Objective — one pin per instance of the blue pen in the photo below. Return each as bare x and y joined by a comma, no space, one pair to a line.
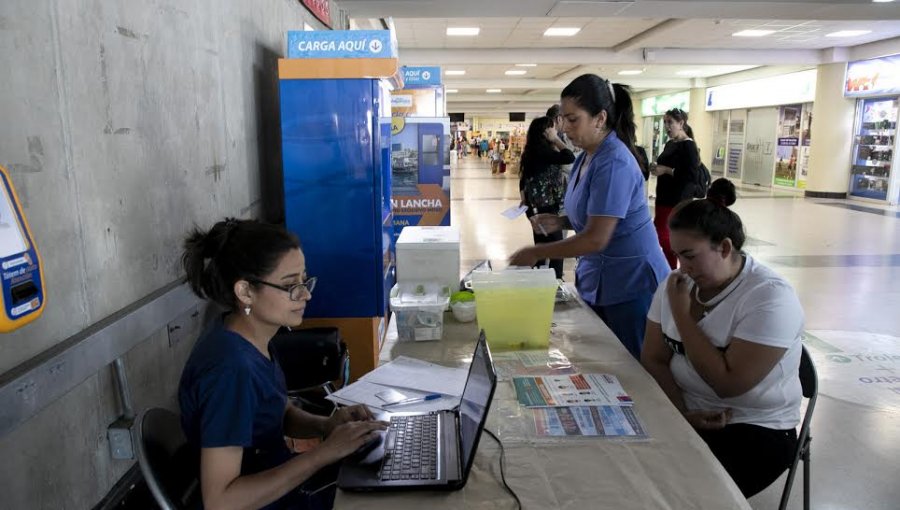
426,398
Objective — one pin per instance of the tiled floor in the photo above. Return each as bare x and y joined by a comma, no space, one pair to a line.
843,258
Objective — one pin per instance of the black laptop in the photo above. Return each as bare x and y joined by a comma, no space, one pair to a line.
428,451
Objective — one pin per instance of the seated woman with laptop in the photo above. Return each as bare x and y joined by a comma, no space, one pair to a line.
723,342
233,397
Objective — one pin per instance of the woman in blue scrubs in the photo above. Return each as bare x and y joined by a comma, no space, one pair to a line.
620,262
233,397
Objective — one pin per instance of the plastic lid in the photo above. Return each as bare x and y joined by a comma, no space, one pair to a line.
514,278
428,235
426,293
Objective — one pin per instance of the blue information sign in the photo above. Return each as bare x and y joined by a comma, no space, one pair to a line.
341,44
421,76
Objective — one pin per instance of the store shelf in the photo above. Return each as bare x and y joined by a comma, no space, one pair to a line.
883,164
878,177
876,146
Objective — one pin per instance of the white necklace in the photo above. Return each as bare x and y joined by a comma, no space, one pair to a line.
718,298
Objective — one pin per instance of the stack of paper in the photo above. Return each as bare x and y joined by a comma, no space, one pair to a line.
608,421
403,379
579,405
571,390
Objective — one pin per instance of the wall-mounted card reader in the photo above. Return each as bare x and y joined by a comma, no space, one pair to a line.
21,275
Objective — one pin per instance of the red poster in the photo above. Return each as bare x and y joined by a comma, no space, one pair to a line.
320,8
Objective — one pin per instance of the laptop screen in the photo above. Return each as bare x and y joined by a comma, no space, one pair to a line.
475,400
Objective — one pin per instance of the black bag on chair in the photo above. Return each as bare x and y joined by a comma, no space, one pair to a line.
312,359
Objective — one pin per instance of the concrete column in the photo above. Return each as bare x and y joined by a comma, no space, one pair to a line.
701,122
832,135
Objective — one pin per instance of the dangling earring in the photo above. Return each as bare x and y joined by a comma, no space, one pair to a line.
247,310
289,328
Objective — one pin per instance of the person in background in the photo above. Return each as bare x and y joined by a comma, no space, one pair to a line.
541,181
555,117
723,342
233,398
620,263
484,148
677,169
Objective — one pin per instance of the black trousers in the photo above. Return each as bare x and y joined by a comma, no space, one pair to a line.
555,264
754,456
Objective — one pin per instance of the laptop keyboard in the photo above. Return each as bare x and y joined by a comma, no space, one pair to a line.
414,452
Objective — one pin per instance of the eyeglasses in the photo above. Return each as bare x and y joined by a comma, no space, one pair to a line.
294,291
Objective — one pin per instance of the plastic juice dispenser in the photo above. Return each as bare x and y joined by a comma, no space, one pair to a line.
515,307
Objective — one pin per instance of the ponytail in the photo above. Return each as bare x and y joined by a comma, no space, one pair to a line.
624,125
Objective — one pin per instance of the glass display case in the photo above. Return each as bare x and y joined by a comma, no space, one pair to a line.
873,151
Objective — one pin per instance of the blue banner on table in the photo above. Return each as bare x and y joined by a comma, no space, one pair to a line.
421,76
420,172
341,44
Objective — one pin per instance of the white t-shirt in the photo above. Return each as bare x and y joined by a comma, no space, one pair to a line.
758,306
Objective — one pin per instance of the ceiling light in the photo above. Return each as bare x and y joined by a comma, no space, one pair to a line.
526,65
882,1
463,30
493,91
561,31
631,72
752,33
451,91
515,72
689,72
848,33
451,72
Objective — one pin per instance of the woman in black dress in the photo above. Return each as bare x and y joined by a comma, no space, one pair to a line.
677,172
541,180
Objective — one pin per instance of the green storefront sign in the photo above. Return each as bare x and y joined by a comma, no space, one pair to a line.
658,105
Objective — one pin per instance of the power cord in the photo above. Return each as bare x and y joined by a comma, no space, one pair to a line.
502,474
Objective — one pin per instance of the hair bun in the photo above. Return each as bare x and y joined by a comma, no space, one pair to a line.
218,235
722,192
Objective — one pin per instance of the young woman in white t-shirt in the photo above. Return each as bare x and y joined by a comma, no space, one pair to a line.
723,342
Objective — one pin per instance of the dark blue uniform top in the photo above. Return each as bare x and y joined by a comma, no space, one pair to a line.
232,395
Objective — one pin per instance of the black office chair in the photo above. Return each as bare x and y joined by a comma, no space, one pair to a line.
809,381
312,360
171,471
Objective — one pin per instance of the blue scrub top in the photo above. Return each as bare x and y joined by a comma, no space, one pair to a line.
632,265
232,395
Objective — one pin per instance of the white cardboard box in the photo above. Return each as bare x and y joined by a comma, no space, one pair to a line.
428,254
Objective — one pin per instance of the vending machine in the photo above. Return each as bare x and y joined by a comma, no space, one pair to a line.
336,143
874,143
875,83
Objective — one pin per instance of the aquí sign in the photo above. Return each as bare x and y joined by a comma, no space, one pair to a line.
341,44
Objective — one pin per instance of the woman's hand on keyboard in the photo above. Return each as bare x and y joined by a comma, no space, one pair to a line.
346,415
349,437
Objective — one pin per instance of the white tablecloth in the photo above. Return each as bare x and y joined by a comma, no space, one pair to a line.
672,470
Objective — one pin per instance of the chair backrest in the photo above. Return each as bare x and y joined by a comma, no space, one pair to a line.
169,466
809,379
310,357
809,382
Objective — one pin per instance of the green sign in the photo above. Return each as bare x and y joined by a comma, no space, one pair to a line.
658,105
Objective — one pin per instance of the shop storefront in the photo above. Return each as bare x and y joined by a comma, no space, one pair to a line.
876,83
762,129
652,111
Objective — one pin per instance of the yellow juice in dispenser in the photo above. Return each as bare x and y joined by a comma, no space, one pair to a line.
515,307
